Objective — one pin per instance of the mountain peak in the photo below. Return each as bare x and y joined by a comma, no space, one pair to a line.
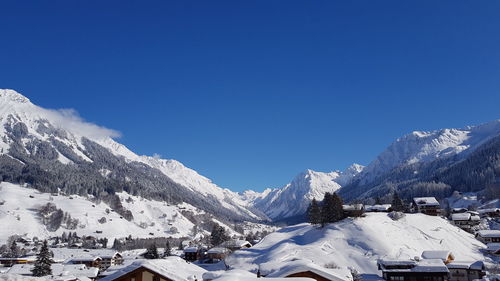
13,96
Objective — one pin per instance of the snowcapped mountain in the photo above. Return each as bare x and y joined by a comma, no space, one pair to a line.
422,146
294,198
433,164
56,150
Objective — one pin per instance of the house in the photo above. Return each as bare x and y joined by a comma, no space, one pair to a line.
243,275
191,253
353,210
493,248
488,236
426,205
378,208
445,256
168,269
466,271
492,212
88,261
12,261
465,220
78,271
459,210
301,268
217,253
110,260
235,244
409,270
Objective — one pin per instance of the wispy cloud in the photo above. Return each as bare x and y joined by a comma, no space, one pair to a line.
70,120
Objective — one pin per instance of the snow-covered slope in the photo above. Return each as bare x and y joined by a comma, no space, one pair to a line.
294,198
422,146
19,205
29,127
360,242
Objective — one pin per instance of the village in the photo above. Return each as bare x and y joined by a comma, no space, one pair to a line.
89,258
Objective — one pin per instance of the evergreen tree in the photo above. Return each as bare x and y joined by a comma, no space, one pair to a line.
43,262
338,209
152,252
397,203
327,209
168,250
218,235
314,212
14,250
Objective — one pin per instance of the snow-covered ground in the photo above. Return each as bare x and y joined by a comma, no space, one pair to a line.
359,242
151,218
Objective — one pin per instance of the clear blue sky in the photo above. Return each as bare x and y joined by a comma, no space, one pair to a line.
249,93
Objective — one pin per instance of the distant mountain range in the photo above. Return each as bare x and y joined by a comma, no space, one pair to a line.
54,151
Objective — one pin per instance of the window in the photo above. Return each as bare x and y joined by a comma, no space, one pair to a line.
397,278
437,278
156,278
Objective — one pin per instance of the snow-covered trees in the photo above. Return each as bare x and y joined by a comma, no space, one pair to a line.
43,261
331,210
397,203
314,212
218,235
168,250
152,252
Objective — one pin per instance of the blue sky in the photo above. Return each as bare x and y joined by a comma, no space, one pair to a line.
249,93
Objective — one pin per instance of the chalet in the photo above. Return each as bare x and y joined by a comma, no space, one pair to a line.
306,269
465,220
459,210
409,270
217,253
445,256
239,274
60,271
353,210
191,253
492,212
110,260
493,248
12,261
466,271
88,261
235,244
488,236
169,269
426,205
378,208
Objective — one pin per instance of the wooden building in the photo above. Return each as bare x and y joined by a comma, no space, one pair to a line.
426,205
110,260
488,236
191,253
445,256
217,253
306,269
409,270
465,221
88,261
466,271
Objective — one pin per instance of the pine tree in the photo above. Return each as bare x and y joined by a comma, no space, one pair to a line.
14,250
397,203
218,235
168,250
338,209
152,252
327,209
314,212
43,262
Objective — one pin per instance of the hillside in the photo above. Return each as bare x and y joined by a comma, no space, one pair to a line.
19,210
360,242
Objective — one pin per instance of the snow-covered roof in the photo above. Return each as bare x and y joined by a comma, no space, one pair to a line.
353,207
426,201
235,243
430,265
488,233
59,270
191,250
493,247
217,250
475,265
442,255
378,207
303,266
173,268
242,275
490,210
